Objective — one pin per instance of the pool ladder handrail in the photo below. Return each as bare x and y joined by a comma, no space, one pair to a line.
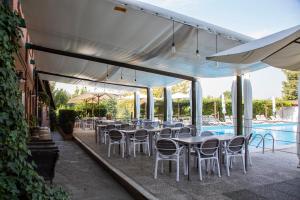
262,140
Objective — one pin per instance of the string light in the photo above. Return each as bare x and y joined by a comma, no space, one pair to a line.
173,40
134,75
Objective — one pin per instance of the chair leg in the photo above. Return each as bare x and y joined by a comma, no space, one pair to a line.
244,166
200,169
148,148
109,145
177,169
123,150
155,168
134,149
218,166
227,165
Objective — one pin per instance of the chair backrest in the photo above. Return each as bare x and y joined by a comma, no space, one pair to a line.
165,133
236,144
248,138
147,124
193,129
110,126
184,132
166,147
179,125
141,134
209,147
115,135
206,133
124,126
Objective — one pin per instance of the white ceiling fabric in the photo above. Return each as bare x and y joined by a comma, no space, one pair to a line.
138,37
280,50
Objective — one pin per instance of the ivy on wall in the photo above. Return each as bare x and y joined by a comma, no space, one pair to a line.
18,179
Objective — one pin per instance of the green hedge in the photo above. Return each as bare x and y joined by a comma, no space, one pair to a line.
67,120
260,107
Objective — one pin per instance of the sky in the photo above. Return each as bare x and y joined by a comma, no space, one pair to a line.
255,18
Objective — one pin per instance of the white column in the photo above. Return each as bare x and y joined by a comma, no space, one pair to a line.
151,105
169,104
198,105
137,104
233,105
298,126
248,111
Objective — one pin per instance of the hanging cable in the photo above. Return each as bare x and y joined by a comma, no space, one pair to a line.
173,40
121,73
134,75
197,50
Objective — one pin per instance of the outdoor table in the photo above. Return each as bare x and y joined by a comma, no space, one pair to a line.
189,141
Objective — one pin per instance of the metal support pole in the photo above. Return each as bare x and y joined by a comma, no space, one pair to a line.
148,103
239,105
134,109
165,105
193,87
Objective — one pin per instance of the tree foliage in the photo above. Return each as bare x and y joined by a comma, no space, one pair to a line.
18,179
289,87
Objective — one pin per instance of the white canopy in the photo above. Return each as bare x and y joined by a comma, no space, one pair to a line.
280,50
141,35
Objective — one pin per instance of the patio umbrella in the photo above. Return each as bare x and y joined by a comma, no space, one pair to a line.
247,106
278,50
151,105
298,126
273,106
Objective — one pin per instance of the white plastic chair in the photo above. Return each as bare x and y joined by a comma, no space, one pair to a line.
168,149
206,133
184,132
106,131
234,148
140,137
116,138
208,151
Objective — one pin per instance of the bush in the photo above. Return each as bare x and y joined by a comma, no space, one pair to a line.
67,120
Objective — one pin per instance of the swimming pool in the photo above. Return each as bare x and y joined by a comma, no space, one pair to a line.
283,133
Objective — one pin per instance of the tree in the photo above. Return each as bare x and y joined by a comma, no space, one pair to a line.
79,91
289,87
183,87
227,95
61,97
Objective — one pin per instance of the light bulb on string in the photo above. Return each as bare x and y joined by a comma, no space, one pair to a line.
135,76
107,72
121,73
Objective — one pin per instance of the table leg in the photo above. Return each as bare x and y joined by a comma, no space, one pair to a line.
220,157
170,166
246,155
150,143
127,136
96,134
188,160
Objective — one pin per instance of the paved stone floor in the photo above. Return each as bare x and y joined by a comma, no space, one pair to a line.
273,176
82,177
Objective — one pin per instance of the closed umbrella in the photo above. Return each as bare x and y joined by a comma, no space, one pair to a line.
233,105
247,106
273,106
223,104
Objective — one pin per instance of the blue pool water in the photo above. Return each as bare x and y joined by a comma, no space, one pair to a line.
283,133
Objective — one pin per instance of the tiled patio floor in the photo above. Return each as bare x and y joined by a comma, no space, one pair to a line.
82,177
273,176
